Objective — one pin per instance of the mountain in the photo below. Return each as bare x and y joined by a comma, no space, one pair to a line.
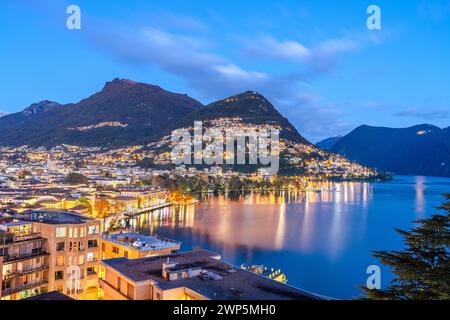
419,150
247,112
248,108
128,113
40,107
328,143
123,113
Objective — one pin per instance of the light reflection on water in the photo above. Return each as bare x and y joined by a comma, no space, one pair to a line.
321,240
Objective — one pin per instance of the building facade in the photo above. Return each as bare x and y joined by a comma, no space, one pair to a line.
134,246
25,261
73,247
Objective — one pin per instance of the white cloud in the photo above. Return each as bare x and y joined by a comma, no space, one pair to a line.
270,48
213,75
236,73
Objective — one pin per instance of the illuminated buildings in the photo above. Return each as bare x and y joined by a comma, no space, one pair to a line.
194,275
73,248
25,261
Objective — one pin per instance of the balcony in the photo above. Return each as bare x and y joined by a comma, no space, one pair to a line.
25,271
12,239
7,258
27,286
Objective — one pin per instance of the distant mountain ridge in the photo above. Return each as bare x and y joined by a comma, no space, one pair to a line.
327,144
126,113
123,113
250,107
419,150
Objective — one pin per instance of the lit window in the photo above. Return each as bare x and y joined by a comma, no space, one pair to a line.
91,257
60,260
92,229
60,232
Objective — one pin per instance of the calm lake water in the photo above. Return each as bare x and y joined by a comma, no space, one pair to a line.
321,240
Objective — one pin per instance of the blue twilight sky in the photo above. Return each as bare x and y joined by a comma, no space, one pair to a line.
315,60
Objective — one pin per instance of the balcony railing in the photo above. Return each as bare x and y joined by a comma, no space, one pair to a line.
14,239
25,271
7,258
30,285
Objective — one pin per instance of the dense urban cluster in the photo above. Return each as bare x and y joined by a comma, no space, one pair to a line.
64,210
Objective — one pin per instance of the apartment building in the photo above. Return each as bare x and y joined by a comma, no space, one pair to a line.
135,245
194,275
73,247
24,266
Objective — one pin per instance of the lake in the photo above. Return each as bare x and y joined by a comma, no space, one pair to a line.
322,240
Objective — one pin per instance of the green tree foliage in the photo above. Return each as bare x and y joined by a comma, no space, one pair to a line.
423,269
76,178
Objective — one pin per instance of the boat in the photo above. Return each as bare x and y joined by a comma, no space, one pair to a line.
271,273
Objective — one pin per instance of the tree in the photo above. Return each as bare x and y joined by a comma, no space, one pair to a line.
82,201
24,174
76,178
101,208
423,268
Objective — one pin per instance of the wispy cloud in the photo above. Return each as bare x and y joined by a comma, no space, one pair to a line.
426,114
192,55
174,21
319,57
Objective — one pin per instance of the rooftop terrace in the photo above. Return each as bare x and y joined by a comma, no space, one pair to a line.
142,242
218,280
55,217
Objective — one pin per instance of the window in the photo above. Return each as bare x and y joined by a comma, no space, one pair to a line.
92,243
125,253
103,247
92,230
59,275
70,233
60,246
75,232
115,250
91,257
60,232
60,260
81,259
91,270
82,232
6,284
119,283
